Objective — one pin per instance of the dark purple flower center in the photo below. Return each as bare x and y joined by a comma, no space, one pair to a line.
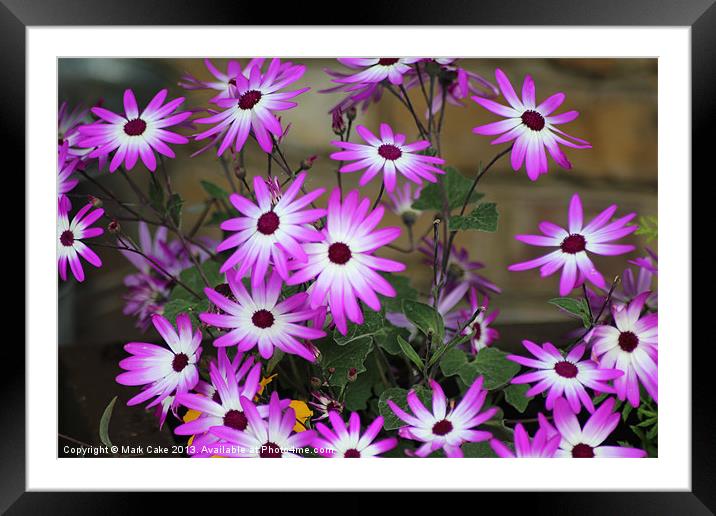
262,319
135,127
339,253
332,405
533,120
352,454
583,451
249,99
270,451
67,238
180,362
390,152
235,419
387,61
573,244
268,223
476,331
628,341
442,427
566,369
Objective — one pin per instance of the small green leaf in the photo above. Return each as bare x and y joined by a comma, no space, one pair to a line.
452,361
372,323
403,290
214,190
425,318
275,359
482,218
104,423
399,397
156,196
174,206
192,307
492,365
516,396
456,186
480,450
359,392
648,227
577,307
410,352
336,361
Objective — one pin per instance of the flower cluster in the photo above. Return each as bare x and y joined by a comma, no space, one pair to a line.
301,298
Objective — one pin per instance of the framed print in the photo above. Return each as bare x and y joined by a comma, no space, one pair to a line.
268,245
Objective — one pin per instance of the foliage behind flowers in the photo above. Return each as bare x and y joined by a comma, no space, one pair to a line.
293,336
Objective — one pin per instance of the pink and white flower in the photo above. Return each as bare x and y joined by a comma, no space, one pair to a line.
347,442
390,154
343,262
631,347
563,376
438,428
134,134
543,445
574,243
260,320
377,69
532,126
70,239
479,330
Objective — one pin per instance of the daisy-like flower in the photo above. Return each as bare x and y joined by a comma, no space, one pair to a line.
631,286
66,166
563,376
325,404
134,134
259,319
531,126
163,372
268,234
460,268
70,236
67,133
377,69
443,429
229,383
574,243
586,442
341,442
481,335
251,106
267,439
389,154
343,262
631,347
543,445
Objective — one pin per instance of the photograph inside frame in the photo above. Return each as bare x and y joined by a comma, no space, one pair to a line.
357,257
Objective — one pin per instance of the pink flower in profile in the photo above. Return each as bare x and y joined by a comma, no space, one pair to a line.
388,154
574,243
377,69
346,442
270,438
343,262
251,107
586,442
401,203
532,127
543,445
260,320
66,166
269,234
442,429
134,134
480,332
563,376
631,347
163,372
70,236
67,129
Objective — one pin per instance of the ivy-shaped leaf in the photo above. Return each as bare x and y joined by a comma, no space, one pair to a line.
516,396
399,397
483,218
456,186
214,190
577,307
425,318
338,362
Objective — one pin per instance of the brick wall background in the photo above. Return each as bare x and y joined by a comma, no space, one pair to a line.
617,100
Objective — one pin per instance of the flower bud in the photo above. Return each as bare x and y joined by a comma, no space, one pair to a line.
307,163
96,203
114,227
351,113
240,172
352,374
409,218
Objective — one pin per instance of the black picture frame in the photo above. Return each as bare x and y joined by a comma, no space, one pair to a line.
700,15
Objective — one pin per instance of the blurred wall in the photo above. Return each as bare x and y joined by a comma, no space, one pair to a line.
617,100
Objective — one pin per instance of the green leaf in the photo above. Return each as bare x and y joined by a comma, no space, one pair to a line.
192,278
626,411
387,338
577,307
275,359
359,392
156,196
336,361
648,227
214,190
457,187
174,206
104,423
425,318
452,362
399,397
490,363
192,307
403,290
216,218
516,396
410,352
480,450
372,324
482,218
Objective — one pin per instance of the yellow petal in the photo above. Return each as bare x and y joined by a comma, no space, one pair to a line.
191,415
264,382
302,414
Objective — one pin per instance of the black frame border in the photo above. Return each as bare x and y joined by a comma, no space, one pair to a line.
700,15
